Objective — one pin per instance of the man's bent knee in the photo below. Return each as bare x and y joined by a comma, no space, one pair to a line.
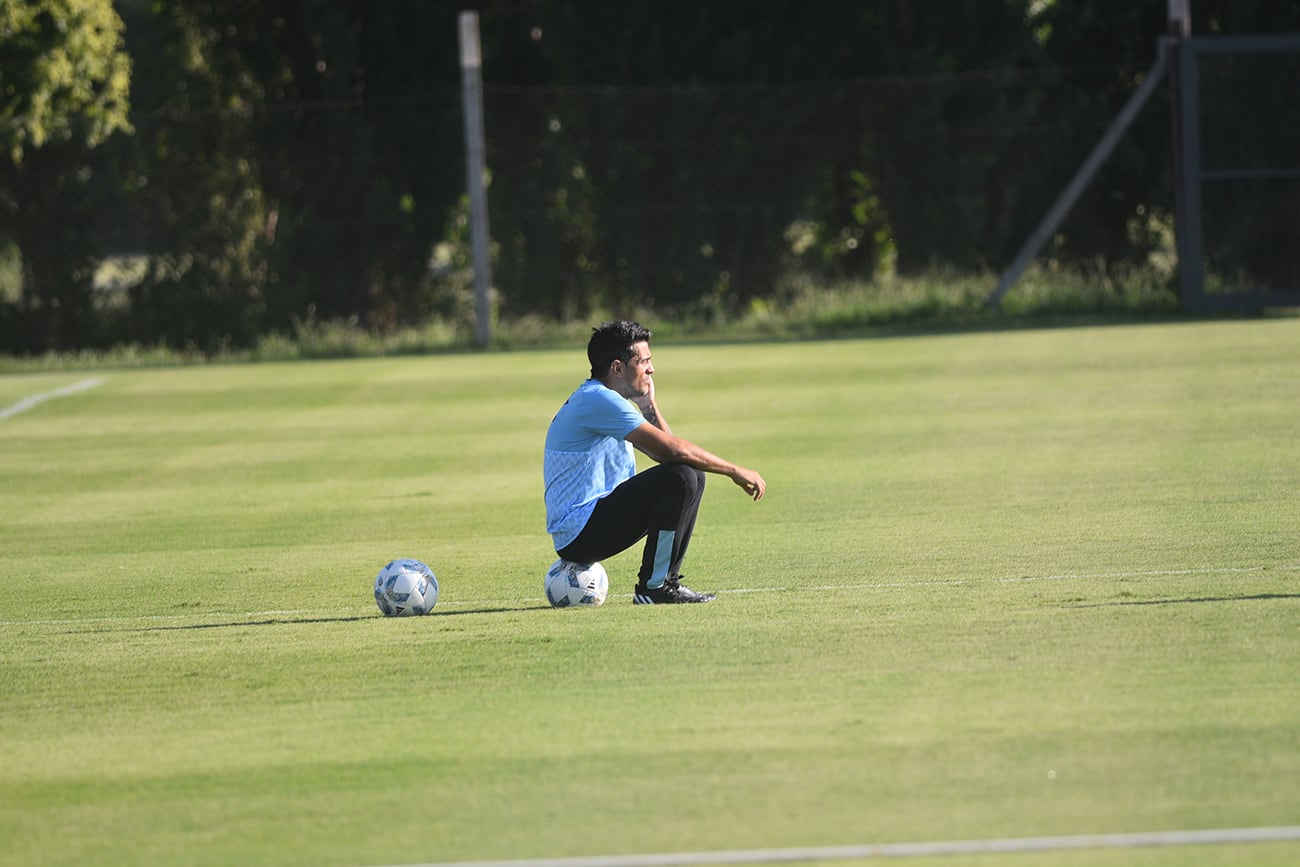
690,478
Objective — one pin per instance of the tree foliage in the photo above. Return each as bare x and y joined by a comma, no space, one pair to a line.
66,77
64,80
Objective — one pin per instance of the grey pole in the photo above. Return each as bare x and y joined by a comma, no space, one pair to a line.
1180,29
471,65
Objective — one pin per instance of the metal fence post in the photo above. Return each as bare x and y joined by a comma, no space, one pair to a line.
471,64
1180,29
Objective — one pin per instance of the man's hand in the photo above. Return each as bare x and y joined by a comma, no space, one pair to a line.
648,398
750,482
650,409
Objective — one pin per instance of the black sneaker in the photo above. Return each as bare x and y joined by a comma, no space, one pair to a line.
672,592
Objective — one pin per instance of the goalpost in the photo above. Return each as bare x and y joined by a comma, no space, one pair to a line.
1236,165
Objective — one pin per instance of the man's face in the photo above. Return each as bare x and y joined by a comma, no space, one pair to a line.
634,376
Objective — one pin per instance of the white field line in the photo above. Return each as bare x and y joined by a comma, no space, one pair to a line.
907,850
216,617
37,399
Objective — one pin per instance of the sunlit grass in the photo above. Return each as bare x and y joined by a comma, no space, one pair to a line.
1004,583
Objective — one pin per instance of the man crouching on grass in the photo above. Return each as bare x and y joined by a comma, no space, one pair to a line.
596,503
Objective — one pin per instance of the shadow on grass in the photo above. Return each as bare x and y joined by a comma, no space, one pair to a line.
1259,597
293,621
297,621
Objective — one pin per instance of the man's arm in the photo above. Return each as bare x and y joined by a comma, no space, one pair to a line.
665,448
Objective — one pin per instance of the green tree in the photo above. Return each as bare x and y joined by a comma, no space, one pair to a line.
66,77
64,91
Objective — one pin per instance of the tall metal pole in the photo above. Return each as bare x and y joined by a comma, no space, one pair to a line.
471,65
1180,28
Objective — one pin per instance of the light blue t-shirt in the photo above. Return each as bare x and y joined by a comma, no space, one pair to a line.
586,456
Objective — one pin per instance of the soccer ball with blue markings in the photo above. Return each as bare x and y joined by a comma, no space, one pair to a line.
575,585
406,588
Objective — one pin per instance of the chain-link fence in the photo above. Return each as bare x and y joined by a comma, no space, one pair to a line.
717,194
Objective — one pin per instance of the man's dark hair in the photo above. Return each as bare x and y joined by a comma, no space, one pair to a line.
613,340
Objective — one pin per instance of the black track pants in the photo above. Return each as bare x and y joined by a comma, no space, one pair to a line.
659,505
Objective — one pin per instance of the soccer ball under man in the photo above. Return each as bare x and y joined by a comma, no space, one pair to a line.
405,588
569,584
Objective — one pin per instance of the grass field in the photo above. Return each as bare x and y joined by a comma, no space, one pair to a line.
1002,585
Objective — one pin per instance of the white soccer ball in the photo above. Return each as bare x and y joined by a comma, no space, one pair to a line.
405,588
576,584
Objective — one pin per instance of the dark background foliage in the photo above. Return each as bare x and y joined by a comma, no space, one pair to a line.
303,160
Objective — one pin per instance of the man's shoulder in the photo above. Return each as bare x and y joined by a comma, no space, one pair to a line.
595,406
